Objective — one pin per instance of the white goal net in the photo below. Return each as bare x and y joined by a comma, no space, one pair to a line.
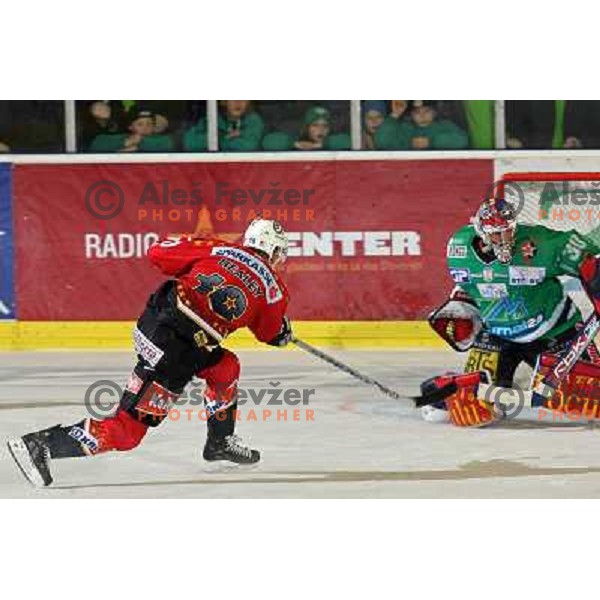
557,200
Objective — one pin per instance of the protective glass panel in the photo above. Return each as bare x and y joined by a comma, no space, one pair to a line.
32,126
304,124
427,124
137,125
534,124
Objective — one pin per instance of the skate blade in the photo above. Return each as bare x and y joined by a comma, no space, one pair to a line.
216,467
18,450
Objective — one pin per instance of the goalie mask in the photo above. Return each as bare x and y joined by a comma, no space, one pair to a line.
269,237
496,223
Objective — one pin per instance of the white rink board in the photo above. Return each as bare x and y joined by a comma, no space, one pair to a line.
361,444
557,162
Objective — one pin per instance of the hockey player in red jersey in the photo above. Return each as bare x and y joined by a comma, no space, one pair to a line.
215,287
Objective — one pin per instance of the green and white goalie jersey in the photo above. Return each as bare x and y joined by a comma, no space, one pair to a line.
523,300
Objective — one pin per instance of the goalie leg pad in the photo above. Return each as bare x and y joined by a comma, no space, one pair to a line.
466,410
459,393
439,388
578,394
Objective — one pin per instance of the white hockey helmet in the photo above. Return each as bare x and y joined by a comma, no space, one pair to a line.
269,237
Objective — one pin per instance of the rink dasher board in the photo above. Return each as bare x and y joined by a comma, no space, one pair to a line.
117,335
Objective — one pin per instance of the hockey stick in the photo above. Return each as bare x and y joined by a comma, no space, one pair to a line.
347,369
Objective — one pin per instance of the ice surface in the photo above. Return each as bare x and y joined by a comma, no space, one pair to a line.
360,444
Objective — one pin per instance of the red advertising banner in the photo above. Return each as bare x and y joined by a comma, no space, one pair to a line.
367,238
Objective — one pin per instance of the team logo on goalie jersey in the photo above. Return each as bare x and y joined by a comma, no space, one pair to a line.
460,275
456,251
492,290
528,249
526,275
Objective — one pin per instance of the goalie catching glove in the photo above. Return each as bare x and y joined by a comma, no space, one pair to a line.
457,321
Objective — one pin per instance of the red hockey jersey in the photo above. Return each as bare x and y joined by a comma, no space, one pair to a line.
223,286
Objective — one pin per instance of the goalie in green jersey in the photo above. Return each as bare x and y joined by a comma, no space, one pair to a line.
509,305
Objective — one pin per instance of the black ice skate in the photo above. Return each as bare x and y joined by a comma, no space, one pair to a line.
32,456
229,448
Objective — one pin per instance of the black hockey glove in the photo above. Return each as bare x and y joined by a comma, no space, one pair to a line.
284,337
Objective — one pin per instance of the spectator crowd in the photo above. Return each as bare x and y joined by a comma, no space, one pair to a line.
107,126
116,126
250,126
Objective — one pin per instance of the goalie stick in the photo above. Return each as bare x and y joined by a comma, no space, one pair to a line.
347,369
566,361
546,388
